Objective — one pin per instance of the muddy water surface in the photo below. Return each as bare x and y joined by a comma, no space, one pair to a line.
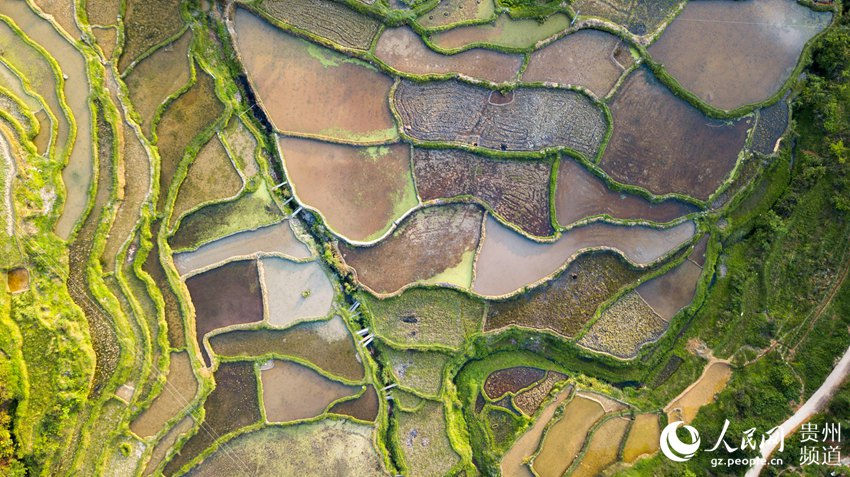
292,391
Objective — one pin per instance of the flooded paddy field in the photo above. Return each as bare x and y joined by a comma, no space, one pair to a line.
507,261
713,379
504,32
326,344
147,24
731,64
564,439
663,144
592,59
374,183
513,464
510,380
579,194
523,120
426,316
250,211
450,12
423,440
184,119
273,239
159,76
364,407
624,327
165,444
295,291
326,19
292,391
18,280
232,405
327,447
242,146
643,438
603,448
565,303
179,390
420,371
432,244
225,296
403,50
310,90
517,190
672,291
77,174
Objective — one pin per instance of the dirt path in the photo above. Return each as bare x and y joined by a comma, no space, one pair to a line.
815,404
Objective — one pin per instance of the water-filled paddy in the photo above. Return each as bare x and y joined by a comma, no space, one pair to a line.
587,58
603,448
664,144
713,379
360,191
427,244
328,447
643,437
580,194
18,280
308,89
517,190
225,296
295,291
508,261
503,32
672,291
403,50
732,63
364,407
512,463
565,304
564,439
158,76
211,177
164,445
179,390
326,19
273,239
528,119
77,174
292,391
327,344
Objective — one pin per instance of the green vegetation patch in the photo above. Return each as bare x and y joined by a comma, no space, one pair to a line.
423,440
421,371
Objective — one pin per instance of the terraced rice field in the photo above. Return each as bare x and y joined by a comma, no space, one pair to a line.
591,59
462,114
405,51
316,237
313,91
731,64
665,145
376,182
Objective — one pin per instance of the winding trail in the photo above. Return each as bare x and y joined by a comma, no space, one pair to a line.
815,404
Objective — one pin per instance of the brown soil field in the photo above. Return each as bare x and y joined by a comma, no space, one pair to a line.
771,125
448,12
565,438
664,144
529,401
18,280
180,388
325,18
210,177
624,327
686,406
511,380
427,243
584,58
451,111
512,463
147,23
517,190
